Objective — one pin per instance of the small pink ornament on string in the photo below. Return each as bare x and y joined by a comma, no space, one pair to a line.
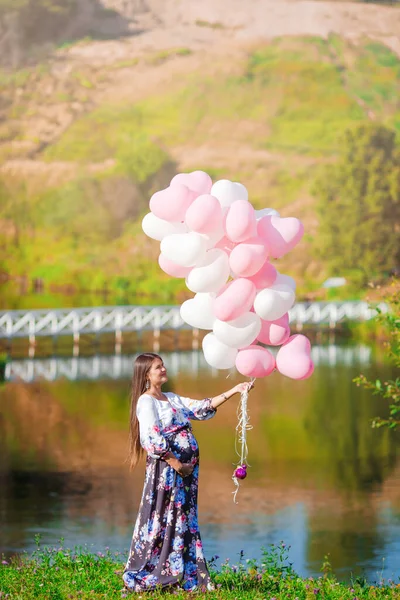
241,472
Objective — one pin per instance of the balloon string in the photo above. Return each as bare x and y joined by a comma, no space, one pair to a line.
237,484
242,428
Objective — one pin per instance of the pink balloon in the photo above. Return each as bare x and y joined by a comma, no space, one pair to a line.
235,299
294,358
265,277
274,333
248,257
172,203
172,268
204,214
226,245
198,181
240,221
310,372
255,361
280,235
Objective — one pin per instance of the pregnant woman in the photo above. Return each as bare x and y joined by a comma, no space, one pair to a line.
166,548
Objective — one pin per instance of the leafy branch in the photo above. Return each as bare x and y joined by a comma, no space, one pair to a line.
388,390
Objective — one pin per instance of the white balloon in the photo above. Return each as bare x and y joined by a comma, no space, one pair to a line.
217,354
286,280
266,212
158,229
185,249
273,302
198,312
211,273
228,192
240,332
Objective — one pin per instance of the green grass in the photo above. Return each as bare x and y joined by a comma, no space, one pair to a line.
59,573
123,64
111,132
374,77
159,57
16,78
209,24
290,87
66,44
83,80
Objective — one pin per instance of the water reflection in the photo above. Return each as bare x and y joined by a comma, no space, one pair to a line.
120,366
321,478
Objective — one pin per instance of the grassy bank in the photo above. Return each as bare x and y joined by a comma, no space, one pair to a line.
58,573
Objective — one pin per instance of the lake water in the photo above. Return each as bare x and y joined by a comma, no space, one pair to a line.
321,479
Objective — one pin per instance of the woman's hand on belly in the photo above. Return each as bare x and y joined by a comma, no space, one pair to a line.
186,469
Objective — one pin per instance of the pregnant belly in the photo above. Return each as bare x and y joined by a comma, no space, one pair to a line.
184,445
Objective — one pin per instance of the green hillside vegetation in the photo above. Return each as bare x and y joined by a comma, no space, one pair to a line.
285,108
302,91
359,205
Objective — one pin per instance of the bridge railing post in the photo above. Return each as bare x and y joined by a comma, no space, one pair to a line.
118,333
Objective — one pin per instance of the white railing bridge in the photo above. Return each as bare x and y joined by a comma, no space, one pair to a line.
117,319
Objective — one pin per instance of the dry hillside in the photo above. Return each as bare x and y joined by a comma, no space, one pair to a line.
221,28
188,52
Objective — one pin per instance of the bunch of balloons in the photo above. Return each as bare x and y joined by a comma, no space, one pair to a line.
213,237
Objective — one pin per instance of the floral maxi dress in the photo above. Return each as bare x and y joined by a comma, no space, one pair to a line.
166,548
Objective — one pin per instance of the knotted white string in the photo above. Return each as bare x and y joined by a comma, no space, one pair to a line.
242,428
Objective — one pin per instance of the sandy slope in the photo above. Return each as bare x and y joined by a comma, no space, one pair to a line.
208,23
252,19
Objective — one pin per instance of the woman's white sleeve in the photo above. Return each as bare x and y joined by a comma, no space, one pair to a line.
151,437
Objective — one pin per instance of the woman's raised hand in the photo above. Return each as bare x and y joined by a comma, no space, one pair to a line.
246,386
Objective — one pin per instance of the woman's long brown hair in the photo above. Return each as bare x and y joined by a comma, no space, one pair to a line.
141,368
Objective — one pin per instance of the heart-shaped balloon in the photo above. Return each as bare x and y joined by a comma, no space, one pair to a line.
185,249
172,268
229,192
236,299
158,229
308,374
240,221
213,238
198,181
255,361
226,245
274,333
294,358
172,203
198,312
265,277
210,274
240,332
286,280
280,235
204,215
272,303
266,212
217,354
248,257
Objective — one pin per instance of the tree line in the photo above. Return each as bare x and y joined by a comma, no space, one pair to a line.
358,205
